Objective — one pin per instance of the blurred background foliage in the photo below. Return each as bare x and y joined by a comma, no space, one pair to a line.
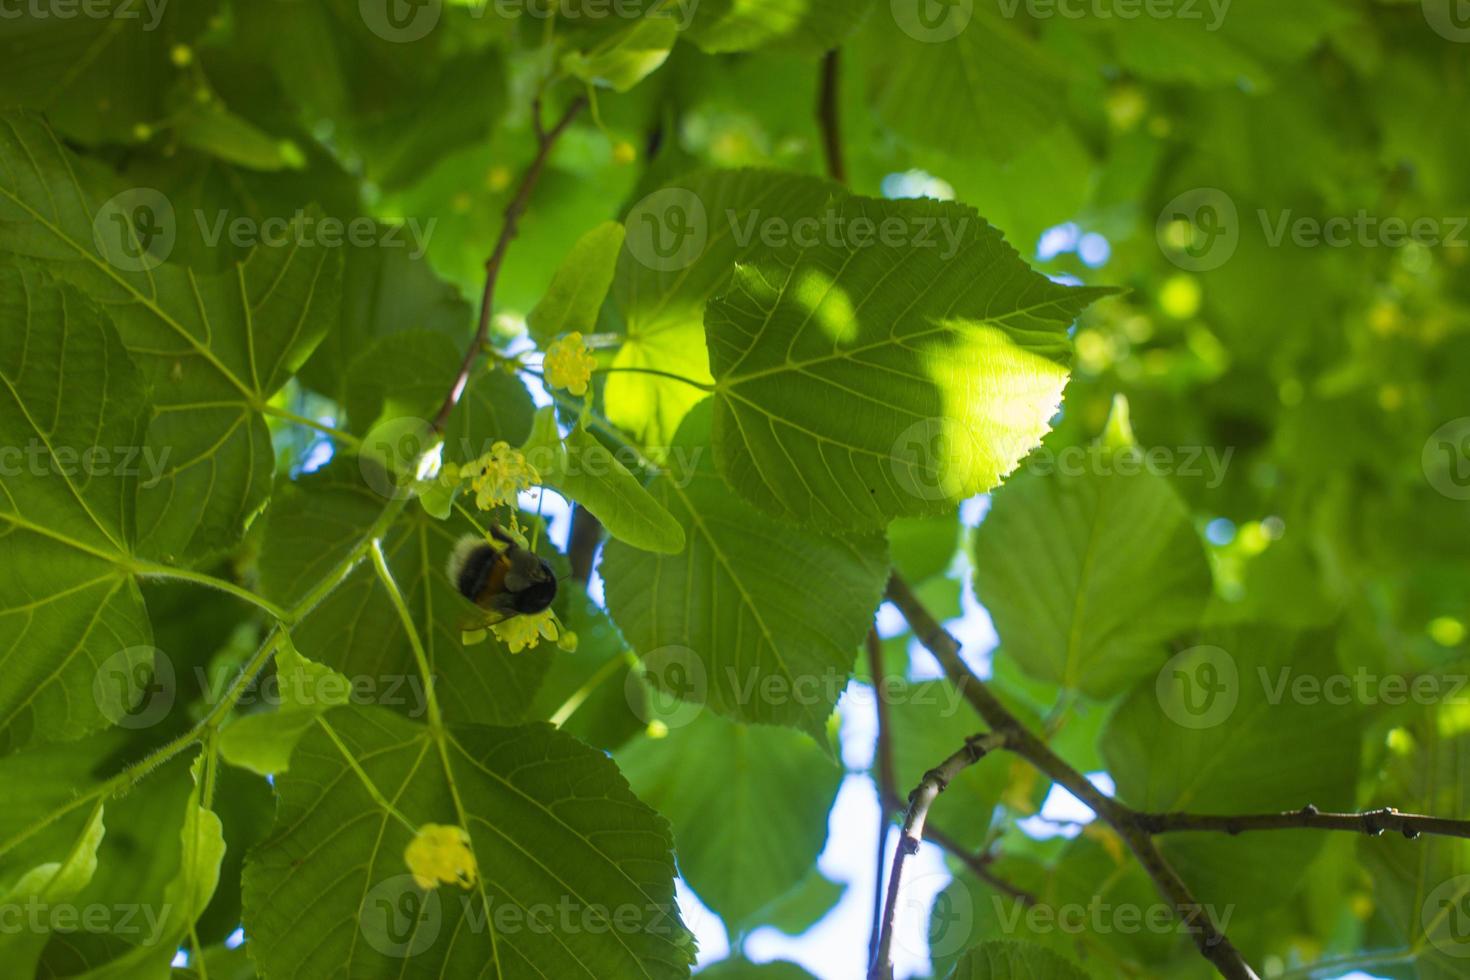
1320,373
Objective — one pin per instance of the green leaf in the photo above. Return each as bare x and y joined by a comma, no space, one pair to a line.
580,285
928,723
1088,573
804,906
584,470
98,77
1192,739
44,887
923,547
219,132
592,693
998,90
1014,961
739,969
213,349
262,742
74,633
758,620
1418,886
356,631
396,385
809,26
627,58
554,829
1242,43
866,378
387,288
185,898
748,804
682,243
370,72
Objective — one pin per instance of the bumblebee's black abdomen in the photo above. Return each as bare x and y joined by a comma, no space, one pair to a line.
479,567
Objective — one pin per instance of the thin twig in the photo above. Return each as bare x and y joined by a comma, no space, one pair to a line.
829,115
935,781
887,786
545,142
889,801
883,754
979,866
1212,943
1373,822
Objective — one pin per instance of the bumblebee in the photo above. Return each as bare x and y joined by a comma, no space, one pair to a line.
500,576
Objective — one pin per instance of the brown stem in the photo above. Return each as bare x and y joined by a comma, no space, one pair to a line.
829,115
935,781
1212,943
545,142
582,547
1372,823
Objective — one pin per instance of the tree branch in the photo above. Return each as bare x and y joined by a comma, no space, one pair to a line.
582,546
935,781
883,754
1373,823
829,115
1212,943
979,866
889,801
545,142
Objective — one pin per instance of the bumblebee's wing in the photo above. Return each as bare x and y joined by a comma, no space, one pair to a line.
482,620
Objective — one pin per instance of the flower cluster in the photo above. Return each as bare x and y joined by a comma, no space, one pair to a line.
525,632
441,854
499,476
568,364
